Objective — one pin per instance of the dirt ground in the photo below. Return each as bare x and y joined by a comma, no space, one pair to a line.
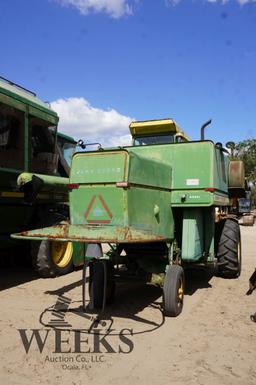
212,342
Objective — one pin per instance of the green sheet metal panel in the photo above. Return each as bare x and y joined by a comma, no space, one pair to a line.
192,234
150,209
209,232
192,198
139,208
220,170
176,166
198,234
194,164
188,172
119,166
149,172
186,160
98,204
99,201
99,167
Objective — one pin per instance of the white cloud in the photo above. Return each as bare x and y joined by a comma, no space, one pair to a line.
78,118
241,2
114,8
119,8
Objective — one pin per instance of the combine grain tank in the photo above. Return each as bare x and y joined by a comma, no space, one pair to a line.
162,205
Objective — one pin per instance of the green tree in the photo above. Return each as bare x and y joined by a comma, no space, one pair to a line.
246,151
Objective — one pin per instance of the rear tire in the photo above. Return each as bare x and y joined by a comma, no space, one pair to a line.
229,250
173,291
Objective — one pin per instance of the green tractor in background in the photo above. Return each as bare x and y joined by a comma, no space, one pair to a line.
31,145
163,205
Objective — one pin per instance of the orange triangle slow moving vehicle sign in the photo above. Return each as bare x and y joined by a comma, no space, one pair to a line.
98,211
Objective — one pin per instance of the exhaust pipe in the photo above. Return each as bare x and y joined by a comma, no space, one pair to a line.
203,128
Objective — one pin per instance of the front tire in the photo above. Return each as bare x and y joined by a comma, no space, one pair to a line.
173,291
96,284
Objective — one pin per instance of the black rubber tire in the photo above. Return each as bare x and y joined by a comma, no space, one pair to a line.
41,252
229,250
174,279
96,284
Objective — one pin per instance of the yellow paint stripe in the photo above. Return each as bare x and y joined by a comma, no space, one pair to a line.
9,194
17,194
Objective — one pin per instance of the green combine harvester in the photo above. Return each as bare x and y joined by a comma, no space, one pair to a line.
162,204
31,145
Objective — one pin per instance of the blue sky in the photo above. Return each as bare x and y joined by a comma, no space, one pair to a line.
104,62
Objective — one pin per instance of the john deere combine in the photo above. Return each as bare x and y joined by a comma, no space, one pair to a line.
30,143
161,204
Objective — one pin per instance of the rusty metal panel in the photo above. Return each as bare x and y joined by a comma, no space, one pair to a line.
91,234
236,174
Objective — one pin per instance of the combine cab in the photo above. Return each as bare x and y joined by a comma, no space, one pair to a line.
162,205
157,132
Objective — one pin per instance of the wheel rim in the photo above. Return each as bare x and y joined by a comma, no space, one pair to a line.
239,257
61,253
180,293
239,252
